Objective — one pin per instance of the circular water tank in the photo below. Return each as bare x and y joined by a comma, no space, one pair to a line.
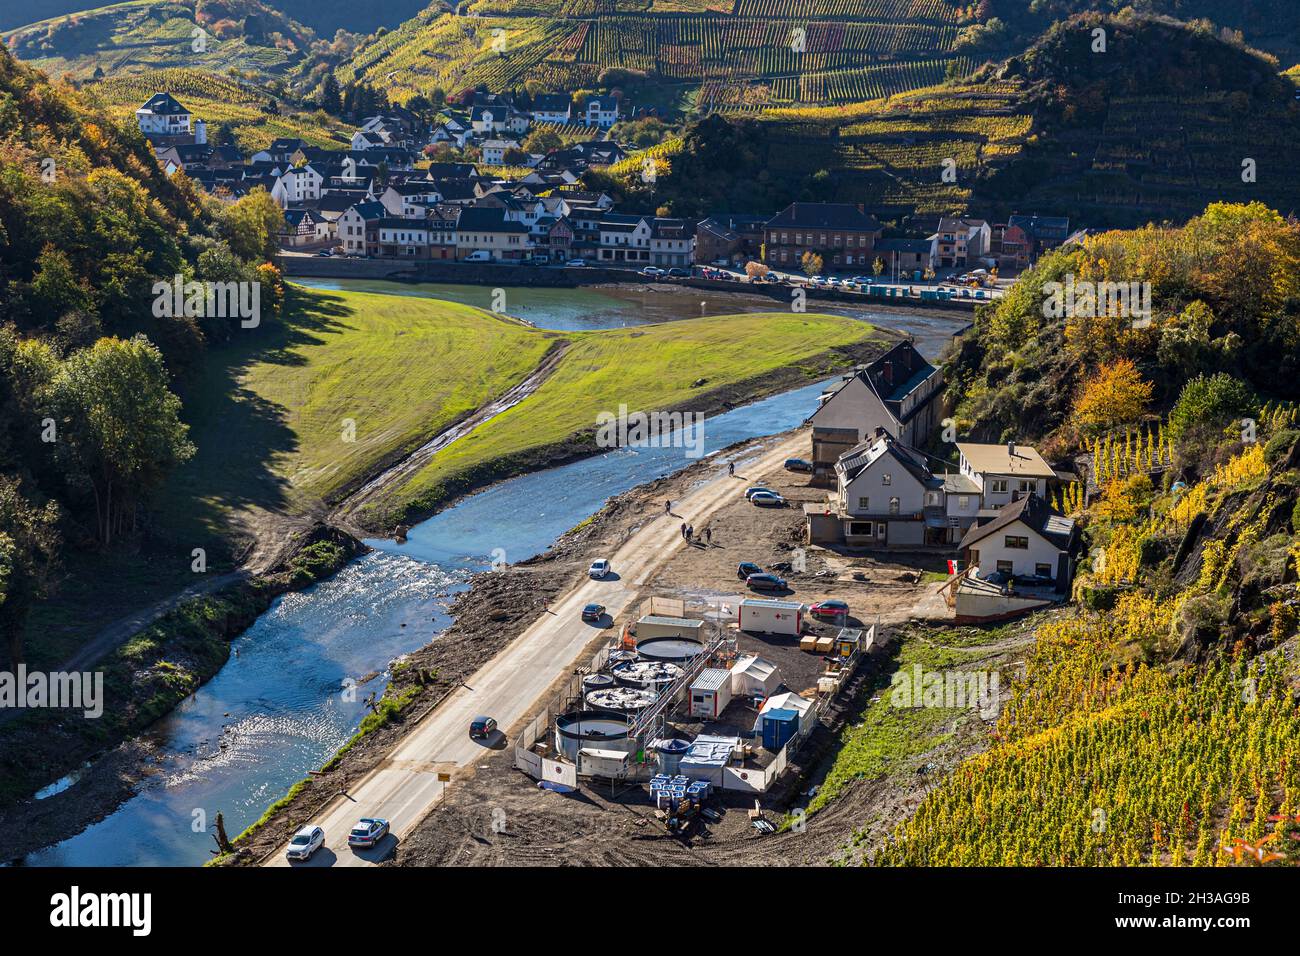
596,682
603,729
649,675
674,650
618,657
669,754
625,699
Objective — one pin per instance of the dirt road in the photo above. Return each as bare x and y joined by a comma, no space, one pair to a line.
405,786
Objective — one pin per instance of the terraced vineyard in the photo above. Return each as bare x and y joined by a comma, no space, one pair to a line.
220,101
738,55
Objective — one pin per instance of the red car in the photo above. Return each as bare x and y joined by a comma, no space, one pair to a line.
832,610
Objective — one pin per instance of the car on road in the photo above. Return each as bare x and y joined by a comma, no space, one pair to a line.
325,253
304,843
862,280
367,832
576,263
832,610
746,568
653,272
593,612
482,727
755,489
677,272
799,464
765,582
767,499
599,569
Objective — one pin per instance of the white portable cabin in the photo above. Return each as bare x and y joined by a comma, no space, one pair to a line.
656,625
711,692
754,676
771,617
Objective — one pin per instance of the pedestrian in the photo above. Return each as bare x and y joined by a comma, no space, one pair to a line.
708,536
731,469
668,506
683,530
690,532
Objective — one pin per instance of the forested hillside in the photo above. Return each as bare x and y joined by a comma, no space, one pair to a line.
90,366
1155,721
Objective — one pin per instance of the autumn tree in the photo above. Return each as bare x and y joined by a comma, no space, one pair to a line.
29,543
811,263
1116,395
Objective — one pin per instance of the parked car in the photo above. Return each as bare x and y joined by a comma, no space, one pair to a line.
482,727
832,610
576,263
799,464
324,253
367,832
537,261
767,499
677,272
593,612
755,489
765,582
304,843
863,280
599,569
479,255
652,272
746,568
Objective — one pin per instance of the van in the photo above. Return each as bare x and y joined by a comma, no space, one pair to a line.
482,255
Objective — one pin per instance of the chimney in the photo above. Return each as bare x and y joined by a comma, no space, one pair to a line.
880,431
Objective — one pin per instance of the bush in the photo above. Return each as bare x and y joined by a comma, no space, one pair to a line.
1213,401
1280,444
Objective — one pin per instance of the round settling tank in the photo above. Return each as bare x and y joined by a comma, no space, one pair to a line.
599,729
673,650
593,682
646,675
625,699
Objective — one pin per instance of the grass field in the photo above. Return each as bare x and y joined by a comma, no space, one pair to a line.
648,368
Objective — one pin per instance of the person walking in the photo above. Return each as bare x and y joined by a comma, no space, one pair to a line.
690,533
668,506
731,469
708,536
684,530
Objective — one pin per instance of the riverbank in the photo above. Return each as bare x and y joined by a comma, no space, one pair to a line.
144,679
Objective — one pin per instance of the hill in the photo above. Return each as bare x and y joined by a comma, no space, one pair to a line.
1155,719
141,35
250,114
1057,129
731,55
323,16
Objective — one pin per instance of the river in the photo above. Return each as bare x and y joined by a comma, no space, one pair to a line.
277,709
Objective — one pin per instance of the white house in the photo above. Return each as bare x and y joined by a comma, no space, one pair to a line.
552,108
672,242
494,151
602,111
1004,473
410,200
897,392
298,185
885,496
163,115
960,241
624,239
354,224
1027,538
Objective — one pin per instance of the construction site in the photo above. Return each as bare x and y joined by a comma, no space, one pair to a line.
690,707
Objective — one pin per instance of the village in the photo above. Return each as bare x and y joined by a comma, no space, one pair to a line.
384,198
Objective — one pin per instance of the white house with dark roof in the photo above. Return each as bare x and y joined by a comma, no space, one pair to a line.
602,111
552,108
162,115
898,392
1028,539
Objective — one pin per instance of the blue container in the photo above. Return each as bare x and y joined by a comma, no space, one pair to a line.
778,727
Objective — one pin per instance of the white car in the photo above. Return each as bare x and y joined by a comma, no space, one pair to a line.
598,570
304,843
576,263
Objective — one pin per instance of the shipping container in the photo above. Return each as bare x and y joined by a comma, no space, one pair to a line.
711,692
771,617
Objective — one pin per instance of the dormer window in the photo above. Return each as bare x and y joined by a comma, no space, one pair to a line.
886,479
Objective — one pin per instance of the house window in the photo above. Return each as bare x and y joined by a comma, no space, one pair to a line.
860,529
1005,567
894,506
998,486
886,479
1026,486
1016,541
864,504
1043,570
963,502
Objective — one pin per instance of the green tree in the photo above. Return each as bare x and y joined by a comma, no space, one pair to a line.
119,427
330,100
29,544
251,224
